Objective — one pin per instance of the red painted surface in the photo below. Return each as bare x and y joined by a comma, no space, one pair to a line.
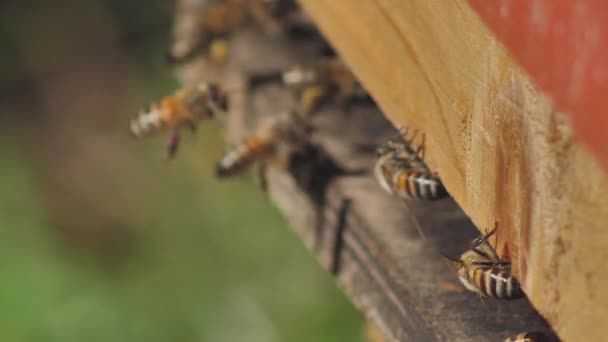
563,45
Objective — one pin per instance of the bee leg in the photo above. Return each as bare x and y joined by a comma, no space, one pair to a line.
172,143
421,148
494,231
488,264
408,141
483,263
338,244
499,263
482,253
261,175
483,238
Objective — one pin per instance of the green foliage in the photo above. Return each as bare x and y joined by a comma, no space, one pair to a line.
214,266
102,241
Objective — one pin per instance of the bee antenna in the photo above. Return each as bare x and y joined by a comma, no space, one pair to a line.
450,258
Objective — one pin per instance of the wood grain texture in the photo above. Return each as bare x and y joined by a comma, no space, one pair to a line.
503,151
565,50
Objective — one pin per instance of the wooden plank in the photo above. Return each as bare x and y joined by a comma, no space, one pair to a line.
503,151
565,50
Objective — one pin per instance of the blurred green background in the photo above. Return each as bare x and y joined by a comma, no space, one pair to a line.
100,238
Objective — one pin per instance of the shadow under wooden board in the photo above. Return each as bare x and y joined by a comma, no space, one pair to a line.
386,253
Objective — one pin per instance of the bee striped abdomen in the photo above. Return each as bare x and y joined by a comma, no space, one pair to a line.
496,282
157,116
420,185
533,336
242,156
150,119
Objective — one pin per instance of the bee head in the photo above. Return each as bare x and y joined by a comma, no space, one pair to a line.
382,150
455,264
392,146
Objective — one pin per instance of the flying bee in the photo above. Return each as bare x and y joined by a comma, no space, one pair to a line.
275,138
186,107
400,170
316,83
533,336
481,270
204,27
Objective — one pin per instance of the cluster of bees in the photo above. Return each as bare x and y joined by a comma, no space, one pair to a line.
399,169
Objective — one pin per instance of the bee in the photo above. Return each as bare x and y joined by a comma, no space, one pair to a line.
205,27
482,271
276,137
186,107
400,170
316,83
533,336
